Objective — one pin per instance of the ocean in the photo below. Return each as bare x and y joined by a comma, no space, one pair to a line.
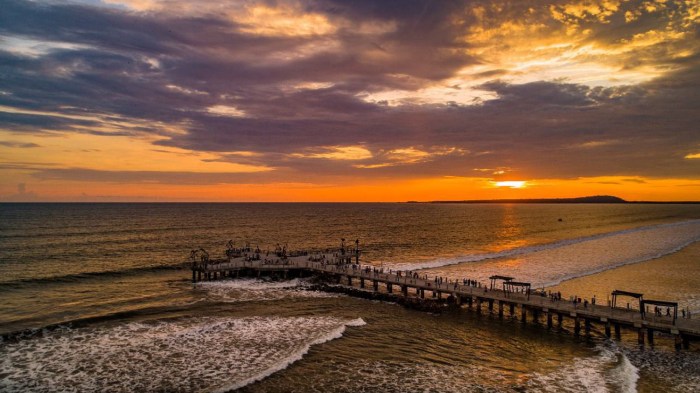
98,297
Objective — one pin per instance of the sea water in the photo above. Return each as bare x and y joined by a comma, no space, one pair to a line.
95,297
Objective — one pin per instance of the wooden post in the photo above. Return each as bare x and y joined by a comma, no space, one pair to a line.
470,300
678,341
500,309
549,320
560,319
607,329
512,310
194,276
535,316
404,289
422,293
375,284
640,336
650,336
523,314
350,280
577,326
389,288
478,305
362,282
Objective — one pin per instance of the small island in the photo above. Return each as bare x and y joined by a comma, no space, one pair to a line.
586,199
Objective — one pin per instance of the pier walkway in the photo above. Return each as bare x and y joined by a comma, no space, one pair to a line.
342,270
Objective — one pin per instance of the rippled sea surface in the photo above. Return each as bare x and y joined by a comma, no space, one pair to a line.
95,297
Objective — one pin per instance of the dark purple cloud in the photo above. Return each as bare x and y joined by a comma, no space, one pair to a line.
155,69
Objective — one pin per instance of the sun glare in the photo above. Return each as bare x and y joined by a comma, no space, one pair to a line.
510,184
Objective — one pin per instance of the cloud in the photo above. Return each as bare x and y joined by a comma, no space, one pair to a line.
323,89
20,145
22,195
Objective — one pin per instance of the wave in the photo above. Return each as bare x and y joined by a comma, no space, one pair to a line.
184,354
73,277
253,289
616,265
518,251
292,358
609,370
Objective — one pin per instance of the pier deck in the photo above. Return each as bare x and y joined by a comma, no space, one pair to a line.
682,329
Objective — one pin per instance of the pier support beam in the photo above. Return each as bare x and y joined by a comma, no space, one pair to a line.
389,288
375,284
577,326
500,309
469,301
549,320
512,310
490,306
350,281
560,319
607,329
404,289
640,336
535,316
478,305
362,283
650,336
422,293
587,326
523,314
678,341
194,276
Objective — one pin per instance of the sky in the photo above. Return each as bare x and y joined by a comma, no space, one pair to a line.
336,100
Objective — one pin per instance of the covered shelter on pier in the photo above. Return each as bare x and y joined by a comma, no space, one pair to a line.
497,277
510,286
662,303
635,295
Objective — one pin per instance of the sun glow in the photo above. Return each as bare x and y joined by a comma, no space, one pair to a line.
510,184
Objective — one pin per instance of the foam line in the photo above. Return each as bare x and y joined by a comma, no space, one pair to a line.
531,249
292,358
615,266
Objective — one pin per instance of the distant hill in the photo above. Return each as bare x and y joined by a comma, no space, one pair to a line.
587,199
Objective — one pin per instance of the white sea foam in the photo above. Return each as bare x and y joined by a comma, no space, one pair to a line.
195,354
550,264
250,289
607,371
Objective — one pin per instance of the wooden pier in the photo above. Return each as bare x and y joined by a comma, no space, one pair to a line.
513,298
